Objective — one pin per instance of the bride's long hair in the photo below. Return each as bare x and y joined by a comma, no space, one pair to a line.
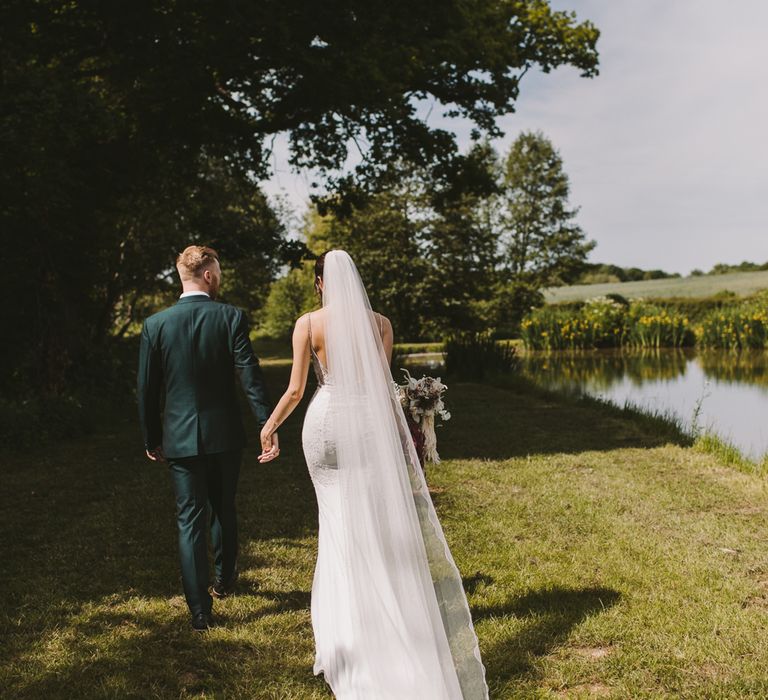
403,583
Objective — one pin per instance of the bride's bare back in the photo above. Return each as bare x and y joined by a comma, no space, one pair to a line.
313,325
316,333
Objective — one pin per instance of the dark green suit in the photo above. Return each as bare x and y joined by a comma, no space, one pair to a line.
190,354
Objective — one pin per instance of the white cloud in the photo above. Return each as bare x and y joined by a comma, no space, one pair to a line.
666,148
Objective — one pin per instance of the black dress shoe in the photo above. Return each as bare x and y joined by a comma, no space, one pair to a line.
201,622
220,589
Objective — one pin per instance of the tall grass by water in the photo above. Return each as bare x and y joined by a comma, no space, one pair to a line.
606,322
735,329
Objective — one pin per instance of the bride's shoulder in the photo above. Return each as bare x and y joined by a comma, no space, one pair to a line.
381,317
303,320
383,323
308,320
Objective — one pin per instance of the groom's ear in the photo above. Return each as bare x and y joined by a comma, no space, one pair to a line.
209,273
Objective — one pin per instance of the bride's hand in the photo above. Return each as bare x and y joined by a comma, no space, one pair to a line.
270,446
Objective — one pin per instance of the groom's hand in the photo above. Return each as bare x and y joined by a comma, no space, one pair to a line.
156,455
270,447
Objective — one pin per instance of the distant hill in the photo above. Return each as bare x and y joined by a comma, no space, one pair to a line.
740,283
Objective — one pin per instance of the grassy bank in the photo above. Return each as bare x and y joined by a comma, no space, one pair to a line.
603,557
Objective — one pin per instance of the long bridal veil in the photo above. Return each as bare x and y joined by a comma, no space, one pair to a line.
410,615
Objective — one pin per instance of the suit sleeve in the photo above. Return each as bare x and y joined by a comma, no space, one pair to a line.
148,390
251,376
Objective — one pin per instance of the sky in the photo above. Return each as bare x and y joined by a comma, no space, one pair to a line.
666,149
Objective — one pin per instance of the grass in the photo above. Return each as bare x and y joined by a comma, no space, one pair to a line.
728,453
603,556
740,283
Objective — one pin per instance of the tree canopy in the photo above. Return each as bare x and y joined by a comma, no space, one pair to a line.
439,261
128,130
542,243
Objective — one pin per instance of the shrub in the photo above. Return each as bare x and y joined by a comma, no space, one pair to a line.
289,297
510,305
476,355
39,421
618,298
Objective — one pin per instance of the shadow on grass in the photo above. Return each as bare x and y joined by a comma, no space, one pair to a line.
547,618
517,419
93,520
137,654
477,580
281,602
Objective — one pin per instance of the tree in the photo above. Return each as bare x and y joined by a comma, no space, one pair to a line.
128,130
542,244
460,243
383,238
289,297
426,252
293,294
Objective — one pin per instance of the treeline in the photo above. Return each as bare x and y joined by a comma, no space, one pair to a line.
724,268
438,260
602,273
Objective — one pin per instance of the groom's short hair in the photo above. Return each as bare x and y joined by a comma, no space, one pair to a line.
195,258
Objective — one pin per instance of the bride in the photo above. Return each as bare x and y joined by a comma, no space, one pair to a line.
389,614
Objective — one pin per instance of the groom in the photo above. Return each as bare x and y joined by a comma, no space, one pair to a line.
189,355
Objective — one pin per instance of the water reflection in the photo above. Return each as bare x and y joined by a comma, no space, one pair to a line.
731,388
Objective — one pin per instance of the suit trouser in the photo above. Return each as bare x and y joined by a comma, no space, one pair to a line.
203,484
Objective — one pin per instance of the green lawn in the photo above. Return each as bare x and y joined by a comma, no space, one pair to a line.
601,560
741,283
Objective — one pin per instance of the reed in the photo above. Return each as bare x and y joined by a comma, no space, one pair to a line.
740,328
607,323
651,326
599,323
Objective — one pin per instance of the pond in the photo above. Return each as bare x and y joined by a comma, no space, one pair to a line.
729,390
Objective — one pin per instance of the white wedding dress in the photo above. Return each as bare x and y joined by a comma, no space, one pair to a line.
389,614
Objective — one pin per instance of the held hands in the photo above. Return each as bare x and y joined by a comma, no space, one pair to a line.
270,446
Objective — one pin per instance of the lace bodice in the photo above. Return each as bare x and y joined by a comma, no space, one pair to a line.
320,372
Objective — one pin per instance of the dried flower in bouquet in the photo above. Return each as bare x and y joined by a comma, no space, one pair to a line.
422,400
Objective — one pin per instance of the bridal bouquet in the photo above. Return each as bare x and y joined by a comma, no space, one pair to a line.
421,400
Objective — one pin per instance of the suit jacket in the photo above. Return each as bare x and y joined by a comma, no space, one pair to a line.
189,356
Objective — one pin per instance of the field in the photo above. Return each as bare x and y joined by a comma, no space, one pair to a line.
741,283
602,554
